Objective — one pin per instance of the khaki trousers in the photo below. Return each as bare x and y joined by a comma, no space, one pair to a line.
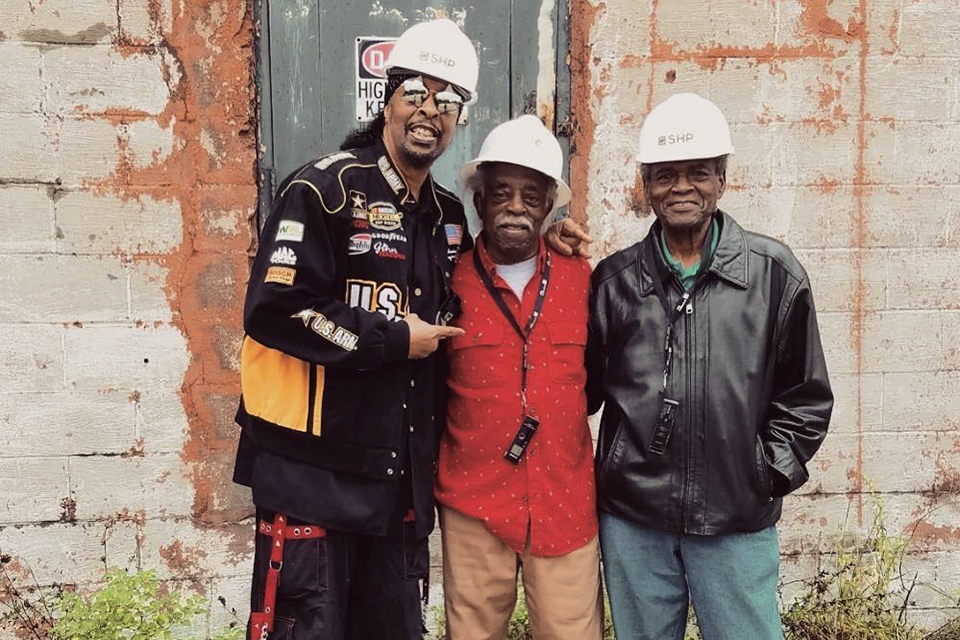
563,593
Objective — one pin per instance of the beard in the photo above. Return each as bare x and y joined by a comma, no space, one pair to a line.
420,158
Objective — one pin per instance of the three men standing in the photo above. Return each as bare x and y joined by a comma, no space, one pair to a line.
515,475
705,352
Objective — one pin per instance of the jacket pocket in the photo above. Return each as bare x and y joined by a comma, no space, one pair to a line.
568,340
762,471
605,463
276,386
477,359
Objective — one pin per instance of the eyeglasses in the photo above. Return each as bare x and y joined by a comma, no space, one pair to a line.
416,93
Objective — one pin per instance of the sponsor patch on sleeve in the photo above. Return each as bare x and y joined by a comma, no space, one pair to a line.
290,231
284,255
281,275
324,163
318,323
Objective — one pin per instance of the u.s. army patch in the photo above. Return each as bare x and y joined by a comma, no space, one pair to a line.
324,163
358,204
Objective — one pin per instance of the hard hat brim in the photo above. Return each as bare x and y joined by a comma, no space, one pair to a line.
563,190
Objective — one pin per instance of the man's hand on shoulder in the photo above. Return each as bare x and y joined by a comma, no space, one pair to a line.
568,238
426,337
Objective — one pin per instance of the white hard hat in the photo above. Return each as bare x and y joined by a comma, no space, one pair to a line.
440,49
523,141
684,127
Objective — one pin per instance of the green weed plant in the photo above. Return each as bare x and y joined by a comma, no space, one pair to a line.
130,606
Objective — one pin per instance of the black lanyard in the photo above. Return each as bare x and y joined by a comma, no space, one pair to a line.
505,310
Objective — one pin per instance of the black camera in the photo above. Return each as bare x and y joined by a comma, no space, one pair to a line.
450,309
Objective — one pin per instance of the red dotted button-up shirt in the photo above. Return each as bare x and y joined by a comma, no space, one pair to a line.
550,493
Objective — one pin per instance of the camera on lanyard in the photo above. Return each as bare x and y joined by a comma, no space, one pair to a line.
450,309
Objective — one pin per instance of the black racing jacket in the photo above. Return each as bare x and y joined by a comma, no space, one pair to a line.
339,427
748,371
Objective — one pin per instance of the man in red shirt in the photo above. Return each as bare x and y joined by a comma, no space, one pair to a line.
515,477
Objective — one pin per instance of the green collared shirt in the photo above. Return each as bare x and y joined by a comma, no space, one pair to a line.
688,275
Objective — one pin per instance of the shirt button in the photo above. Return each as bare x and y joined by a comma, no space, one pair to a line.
411,428
413,383
389,472
401,471
418,291
393,454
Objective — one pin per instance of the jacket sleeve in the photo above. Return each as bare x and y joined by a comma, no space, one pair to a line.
596,355
292,304
801,400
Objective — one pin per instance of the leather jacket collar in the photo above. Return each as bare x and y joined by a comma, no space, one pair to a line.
729,261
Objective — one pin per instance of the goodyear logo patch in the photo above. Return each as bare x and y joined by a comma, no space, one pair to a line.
384,216
290,231
281,275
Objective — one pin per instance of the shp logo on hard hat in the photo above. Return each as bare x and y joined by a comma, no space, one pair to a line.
676,138
437,59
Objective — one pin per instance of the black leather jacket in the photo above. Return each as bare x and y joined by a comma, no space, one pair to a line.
748,371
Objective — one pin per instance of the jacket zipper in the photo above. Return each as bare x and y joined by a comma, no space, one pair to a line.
690,359
685,510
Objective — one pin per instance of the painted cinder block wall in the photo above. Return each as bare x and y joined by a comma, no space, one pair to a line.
127,194
846,121
127,199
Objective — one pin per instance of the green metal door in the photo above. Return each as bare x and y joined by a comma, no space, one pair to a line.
308,70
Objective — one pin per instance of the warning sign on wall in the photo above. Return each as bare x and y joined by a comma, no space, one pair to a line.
372,54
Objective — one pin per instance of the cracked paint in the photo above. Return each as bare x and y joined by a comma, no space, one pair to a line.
583,15
207,57
546,56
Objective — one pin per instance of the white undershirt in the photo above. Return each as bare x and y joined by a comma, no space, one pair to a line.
518,275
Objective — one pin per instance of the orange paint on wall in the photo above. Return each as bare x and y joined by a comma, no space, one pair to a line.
211,168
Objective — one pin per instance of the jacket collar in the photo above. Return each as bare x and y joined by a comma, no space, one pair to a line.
729,261
398,185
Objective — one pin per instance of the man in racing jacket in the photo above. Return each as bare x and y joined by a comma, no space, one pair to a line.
346,302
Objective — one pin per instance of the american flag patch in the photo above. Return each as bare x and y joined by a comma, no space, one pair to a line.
454,233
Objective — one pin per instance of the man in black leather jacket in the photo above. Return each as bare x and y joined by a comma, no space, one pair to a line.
704,351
